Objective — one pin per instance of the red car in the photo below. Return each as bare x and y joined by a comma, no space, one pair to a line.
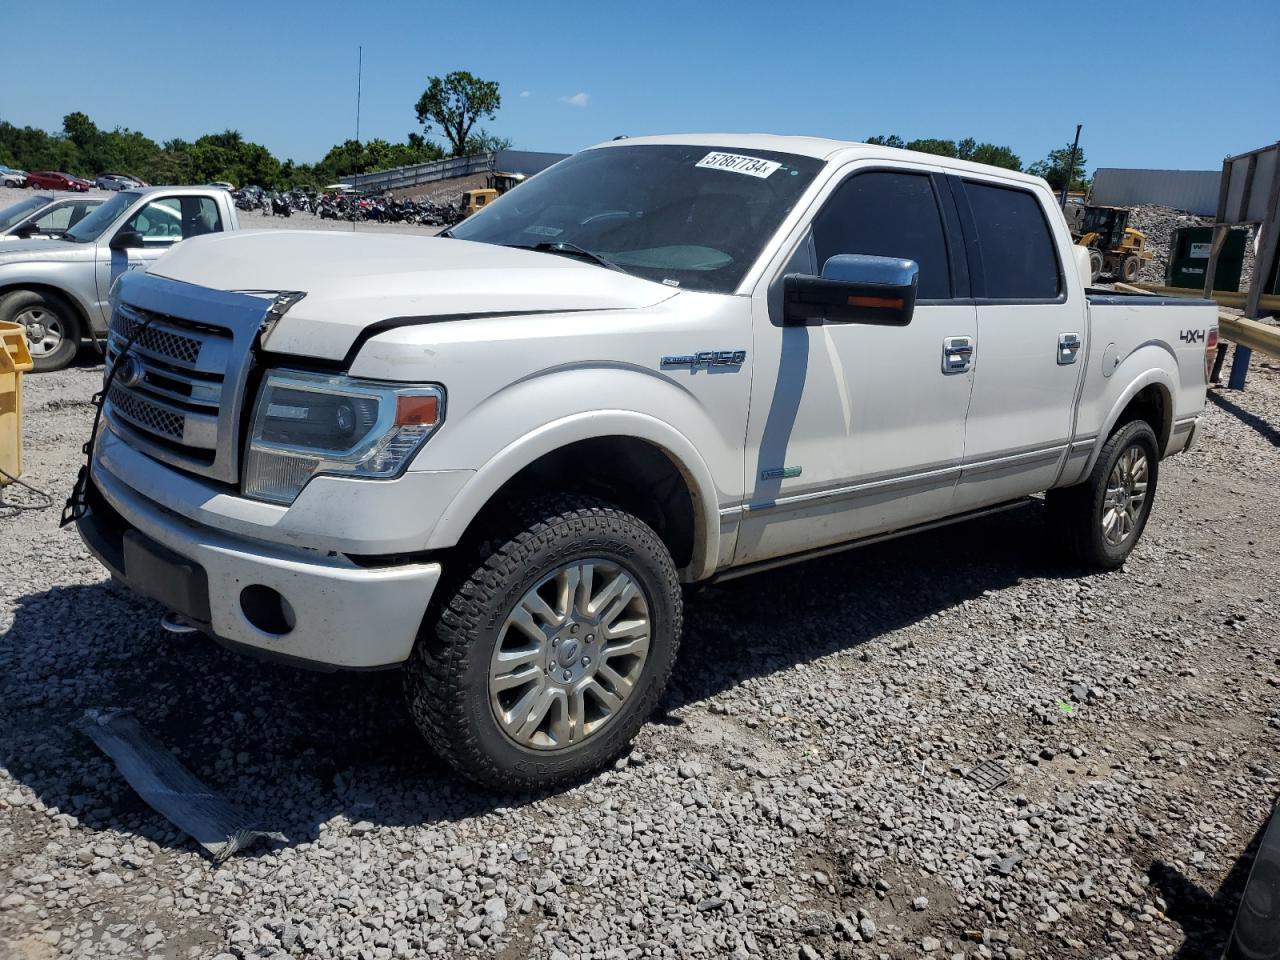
51,180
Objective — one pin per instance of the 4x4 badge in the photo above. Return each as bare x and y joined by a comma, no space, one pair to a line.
1191,336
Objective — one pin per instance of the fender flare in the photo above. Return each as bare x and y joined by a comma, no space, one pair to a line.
1156,375
589,425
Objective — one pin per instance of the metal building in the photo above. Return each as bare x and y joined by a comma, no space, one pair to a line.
1195,191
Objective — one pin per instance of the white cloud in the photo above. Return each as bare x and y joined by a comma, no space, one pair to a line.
525,93
577,100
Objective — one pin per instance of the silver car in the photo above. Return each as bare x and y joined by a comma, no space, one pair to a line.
44,215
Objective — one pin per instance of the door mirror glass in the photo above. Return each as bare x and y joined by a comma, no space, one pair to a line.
854,288
126,240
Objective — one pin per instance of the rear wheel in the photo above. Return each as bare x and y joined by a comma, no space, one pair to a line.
53,330
1095,265
544,662
1101,520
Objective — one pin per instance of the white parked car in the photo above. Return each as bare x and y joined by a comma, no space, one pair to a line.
11,177
495,457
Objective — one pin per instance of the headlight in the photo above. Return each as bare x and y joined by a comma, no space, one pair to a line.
307,424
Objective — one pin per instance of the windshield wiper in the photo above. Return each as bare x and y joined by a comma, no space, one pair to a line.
573,250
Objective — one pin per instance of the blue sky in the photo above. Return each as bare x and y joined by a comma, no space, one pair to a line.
1156,92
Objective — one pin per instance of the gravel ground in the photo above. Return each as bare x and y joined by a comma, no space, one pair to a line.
800,793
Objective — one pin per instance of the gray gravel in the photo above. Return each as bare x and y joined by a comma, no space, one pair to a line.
800,795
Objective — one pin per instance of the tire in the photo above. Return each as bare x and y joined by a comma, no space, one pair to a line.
1080,513
457,690
1095,265
47,314
1129,268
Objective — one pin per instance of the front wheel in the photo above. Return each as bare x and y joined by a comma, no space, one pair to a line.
53,330
1101,520
544,662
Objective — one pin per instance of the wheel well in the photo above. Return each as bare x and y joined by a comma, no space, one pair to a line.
1151,404
86,331
630,473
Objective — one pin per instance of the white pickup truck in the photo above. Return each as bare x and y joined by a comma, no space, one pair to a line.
57,288
495,457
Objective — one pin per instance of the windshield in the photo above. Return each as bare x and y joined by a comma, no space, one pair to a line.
11,216
92,226
689,217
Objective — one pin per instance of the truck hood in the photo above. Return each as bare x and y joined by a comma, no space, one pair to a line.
46,251
355,280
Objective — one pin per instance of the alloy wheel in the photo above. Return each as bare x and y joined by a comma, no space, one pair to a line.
569,655
1125,496
44,330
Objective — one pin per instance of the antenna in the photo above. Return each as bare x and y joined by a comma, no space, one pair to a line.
355,177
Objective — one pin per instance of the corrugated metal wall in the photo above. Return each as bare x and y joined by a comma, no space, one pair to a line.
1193,190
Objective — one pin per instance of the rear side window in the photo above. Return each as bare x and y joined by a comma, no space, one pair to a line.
887,214
1018,257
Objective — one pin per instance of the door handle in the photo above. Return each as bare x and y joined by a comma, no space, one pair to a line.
1068,348
957,354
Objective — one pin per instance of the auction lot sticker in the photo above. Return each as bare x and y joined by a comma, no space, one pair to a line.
735,163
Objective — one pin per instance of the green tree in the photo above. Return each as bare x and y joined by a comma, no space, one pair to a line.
455,104
966,149
1054,169
995,156
482,141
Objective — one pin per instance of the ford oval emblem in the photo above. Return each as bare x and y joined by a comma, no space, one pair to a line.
129,371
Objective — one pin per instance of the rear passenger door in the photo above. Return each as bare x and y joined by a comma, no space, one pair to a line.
1030,347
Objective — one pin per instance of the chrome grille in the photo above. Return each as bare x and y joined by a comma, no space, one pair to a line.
146,415
159,341
176,394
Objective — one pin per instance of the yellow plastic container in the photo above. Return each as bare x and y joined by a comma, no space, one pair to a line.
15,360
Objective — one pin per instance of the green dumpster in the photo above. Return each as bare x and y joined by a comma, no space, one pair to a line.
1189,258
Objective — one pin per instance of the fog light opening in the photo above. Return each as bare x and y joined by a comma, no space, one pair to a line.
267,610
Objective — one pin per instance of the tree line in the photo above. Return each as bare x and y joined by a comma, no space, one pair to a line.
1053,167
454,103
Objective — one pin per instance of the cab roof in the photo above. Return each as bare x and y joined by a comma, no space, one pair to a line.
820,148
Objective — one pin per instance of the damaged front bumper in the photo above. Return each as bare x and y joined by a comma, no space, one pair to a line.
321,610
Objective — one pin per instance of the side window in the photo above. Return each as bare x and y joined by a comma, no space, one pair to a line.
175,218
160,221
887,214
55,220
1018,256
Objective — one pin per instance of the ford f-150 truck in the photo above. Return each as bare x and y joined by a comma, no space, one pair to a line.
57,288
495,457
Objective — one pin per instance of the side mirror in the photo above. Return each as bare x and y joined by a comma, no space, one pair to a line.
26,231
853,288
126,240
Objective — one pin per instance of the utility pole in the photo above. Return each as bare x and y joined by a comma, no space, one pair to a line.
1071,168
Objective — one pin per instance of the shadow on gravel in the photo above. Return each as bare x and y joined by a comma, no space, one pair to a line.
1264,429
300,748
1206,918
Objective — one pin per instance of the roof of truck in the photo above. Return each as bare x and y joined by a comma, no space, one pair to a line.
818,147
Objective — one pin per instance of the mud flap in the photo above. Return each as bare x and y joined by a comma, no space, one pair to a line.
170,788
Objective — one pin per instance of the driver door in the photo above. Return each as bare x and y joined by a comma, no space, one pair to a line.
855,429
161,223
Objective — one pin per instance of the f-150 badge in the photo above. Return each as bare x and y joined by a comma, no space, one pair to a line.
707,358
